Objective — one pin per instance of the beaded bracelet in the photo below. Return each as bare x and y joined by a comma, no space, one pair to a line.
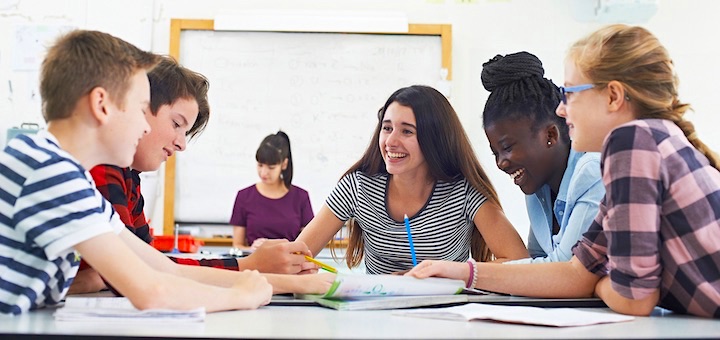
472,275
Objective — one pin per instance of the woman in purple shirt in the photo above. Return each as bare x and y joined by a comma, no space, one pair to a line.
272,208
655,239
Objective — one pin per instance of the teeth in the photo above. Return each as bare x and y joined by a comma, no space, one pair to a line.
396,155
516,173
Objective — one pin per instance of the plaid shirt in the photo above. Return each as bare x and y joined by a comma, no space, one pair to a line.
121,186
659,224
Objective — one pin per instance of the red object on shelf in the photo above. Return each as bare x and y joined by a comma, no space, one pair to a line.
186,243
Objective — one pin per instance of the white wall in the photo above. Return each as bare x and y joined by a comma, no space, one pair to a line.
480,30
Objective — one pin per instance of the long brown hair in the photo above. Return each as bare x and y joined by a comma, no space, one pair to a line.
634,57
446,149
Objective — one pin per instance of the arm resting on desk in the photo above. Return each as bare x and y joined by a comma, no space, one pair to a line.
150,280
621,304
547,280
300,284
544,280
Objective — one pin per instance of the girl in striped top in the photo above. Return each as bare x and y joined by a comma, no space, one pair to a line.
419,163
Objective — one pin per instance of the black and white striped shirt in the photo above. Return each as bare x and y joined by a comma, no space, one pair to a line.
48,204
441,230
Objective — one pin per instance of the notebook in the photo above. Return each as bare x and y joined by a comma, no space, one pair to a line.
375,292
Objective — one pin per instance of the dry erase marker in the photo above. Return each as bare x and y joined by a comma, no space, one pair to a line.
412,246
322,265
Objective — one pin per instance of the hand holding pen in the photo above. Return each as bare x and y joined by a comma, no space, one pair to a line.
322,265
279,257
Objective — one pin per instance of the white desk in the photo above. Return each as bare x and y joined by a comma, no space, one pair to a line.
277,322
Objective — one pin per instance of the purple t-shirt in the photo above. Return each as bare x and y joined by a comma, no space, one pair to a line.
271,217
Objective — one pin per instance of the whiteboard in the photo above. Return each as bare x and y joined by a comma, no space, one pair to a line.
323,89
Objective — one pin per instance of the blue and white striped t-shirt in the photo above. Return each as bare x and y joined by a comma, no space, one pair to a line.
441,230
48,204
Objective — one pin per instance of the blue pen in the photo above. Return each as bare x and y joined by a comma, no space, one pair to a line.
412,246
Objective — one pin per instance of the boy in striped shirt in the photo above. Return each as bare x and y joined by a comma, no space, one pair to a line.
95,95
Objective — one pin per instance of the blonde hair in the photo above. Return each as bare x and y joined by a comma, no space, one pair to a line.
634,57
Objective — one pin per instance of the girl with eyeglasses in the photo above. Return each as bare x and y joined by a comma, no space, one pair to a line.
655,240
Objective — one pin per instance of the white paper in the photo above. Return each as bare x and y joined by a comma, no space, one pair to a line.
346,285
558,317
120,309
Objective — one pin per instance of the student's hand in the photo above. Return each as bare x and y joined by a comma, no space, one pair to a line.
309,268
316,284
254,289
448,269
87,281
257,243
279,257
313,284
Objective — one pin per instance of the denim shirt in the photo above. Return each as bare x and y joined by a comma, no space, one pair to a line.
575,207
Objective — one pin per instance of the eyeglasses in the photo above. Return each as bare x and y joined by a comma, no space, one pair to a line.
572,89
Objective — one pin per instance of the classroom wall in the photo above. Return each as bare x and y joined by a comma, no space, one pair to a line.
481,29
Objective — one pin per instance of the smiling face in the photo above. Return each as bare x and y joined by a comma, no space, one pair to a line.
522,153
169,128
399,144
126,127
585,112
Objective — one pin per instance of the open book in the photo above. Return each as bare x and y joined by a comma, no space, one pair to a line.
353,285
119,309
373,292
558,317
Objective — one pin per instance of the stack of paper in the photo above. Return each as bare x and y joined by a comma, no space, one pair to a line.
559,317
108,309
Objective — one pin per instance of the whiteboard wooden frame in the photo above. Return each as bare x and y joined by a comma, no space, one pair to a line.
178,25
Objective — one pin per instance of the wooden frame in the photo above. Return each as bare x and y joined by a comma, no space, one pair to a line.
179,25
